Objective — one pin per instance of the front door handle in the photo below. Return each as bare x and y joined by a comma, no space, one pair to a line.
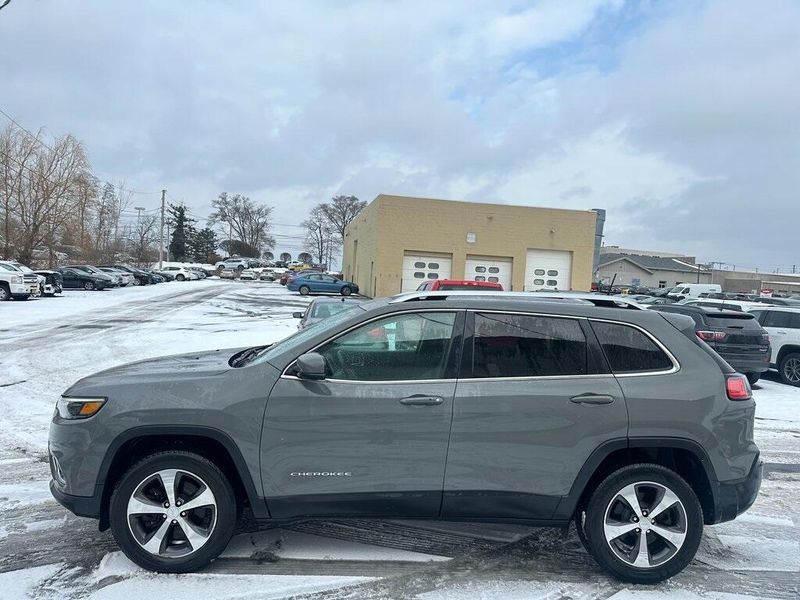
420,400
592,399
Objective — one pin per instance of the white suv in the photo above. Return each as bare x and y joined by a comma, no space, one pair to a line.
181,273
783,326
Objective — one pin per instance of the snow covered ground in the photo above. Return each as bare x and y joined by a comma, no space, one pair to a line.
47,344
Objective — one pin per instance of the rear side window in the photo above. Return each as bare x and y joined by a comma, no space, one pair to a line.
778,318
527,346
628,350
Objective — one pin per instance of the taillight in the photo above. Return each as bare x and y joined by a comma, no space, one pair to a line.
712,336
738,387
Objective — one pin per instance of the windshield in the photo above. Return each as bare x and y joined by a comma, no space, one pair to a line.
302,336
678,289
323,310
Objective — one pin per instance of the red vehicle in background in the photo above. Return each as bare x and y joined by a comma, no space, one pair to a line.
449,285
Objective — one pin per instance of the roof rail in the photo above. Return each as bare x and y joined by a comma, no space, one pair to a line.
574,297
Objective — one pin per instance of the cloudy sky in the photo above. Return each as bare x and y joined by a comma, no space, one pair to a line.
682,119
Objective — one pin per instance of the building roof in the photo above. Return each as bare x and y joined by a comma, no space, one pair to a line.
651,263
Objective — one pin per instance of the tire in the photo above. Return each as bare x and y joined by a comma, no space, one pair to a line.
212,528
346,290
682,520
88,286
180,277
789,369
136,281
753,377
304,290
5,293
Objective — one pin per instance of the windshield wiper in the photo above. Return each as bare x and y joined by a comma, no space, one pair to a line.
246,356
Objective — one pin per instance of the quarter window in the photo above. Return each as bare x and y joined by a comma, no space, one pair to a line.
402,347
628,350
527,346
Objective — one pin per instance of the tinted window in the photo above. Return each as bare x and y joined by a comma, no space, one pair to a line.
527,346
628,350
777,318
402,347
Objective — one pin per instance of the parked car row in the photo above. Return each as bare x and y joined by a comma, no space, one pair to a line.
19,282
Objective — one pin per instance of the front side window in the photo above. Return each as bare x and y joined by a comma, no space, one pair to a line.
527,346
628,350
398,348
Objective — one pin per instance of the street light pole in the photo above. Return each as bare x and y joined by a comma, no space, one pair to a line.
161,233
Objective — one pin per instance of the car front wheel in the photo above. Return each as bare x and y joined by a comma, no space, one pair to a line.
180,277
643,523
173,512
346,290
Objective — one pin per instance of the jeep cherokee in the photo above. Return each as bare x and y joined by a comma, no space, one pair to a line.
466,406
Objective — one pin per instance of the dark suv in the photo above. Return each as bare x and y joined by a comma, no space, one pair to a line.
441,405
736,336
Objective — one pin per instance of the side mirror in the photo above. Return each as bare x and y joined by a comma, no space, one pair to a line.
297,315
311,366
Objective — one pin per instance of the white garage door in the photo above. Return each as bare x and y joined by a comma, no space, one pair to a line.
496,270
419,268
548,270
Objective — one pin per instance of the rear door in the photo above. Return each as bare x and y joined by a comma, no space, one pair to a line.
783,327
70,279
371,439
533,401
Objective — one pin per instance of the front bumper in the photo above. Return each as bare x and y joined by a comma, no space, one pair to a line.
735,497
83,506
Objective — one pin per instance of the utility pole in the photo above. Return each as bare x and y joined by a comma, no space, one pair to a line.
230,238
161,232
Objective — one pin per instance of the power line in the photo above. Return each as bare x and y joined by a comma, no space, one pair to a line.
41,143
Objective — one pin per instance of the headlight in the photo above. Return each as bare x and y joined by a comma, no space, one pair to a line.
19,279
78,408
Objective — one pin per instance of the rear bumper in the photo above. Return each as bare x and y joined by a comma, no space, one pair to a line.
750,363
735,497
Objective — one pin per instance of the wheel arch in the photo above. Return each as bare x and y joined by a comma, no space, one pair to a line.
685,457
787,349
213,444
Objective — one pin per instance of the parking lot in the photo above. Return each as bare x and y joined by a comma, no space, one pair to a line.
45,345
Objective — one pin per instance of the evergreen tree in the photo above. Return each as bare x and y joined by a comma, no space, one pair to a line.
181,232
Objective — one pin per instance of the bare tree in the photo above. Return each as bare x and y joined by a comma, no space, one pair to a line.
46,190
321,236
341,211
143,238
245,220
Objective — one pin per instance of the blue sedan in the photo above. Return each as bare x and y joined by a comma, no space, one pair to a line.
320,283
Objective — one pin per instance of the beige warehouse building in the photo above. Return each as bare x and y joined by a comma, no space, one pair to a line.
399,242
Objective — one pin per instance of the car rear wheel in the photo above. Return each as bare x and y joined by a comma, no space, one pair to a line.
643,523
346,290
753,377
304,290
88,286
789,369
173,512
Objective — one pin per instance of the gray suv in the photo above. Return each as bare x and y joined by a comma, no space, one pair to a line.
445,405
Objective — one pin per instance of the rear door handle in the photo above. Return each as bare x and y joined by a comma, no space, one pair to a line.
420,400
592,399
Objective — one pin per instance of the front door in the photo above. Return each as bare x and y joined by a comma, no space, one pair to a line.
533,402
371,439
